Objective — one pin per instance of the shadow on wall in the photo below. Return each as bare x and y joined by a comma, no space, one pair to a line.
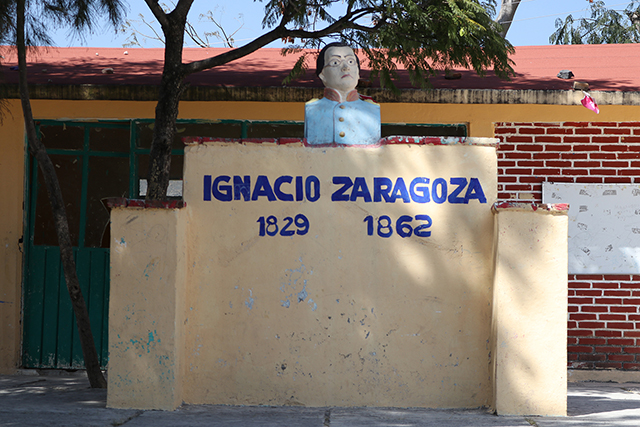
350,313
321,276
530,310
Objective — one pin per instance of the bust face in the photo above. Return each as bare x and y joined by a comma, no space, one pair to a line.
340,70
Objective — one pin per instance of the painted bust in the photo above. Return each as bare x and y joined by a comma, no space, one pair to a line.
342,116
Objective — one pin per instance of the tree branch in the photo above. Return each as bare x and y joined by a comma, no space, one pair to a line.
153,30
182,8
194,36
332,29
232,55
275,34
158,12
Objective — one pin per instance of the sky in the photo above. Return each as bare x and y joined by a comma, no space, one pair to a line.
533,23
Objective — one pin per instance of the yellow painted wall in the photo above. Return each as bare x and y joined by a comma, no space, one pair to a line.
336,316
213,304
145,360
329,316
479,117
530,310
11,189
479,114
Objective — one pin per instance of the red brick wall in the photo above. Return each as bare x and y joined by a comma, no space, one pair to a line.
603,314
604,320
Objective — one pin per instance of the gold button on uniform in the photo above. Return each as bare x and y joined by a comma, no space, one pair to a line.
341,119
342,134
342,106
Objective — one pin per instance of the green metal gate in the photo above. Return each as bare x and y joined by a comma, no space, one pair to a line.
93,161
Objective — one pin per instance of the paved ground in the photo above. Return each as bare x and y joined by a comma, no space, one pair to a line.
66,400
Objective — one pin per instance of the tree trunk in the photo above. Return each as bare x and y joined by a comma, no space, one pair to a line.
38,150
506,14
171,88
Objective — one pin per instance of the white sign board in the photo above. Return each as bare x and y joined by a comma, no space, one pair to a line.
604,226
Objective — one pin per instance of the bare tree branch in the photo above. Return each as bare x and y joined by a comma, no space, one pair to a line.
228,39
194,36
155,36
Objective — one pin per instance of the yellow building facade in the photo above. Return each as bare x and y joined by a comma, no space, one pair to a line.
411,107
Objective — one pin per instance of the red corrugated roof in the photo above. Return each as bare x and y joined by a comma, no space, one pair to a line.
604,67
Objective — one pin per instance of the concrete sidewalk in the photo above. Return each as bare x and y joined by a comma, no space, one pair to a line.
63,399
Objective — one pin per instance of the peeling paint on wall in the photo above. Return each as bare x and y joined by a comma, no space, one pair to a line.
294,284
120,245
249,302
150,267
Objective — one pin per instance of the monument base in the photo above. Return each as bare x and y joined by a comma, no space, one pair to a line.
337,276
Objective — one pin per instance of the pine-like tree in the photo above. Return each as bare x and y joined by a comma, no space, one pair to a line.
602,26
24,23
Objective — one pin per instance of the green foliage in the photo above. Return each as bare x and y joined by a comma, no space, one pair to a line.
423,36
43,15
603,26
489,6
300,67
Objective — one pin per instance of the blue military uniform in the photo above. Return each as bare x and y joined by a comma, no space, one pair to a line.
351,122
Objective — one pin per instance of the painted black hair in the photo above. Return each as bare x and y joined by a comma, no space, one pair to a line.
320,60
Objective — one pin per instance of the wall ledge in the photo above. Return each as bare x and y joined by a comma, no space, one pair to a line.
134,92
122,202
553,209
389,140
603,375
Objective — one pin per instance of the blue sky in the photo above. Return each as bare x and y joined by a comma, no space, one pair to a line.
533,23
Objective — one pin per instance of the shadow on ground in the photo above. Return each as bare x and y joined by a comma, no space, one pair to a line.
66,400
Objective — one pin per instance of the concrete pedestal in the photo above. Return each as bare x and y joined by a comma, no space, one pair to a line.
529,333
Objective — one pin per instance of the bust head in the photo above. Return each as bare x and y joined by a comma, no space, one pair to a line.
338,67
